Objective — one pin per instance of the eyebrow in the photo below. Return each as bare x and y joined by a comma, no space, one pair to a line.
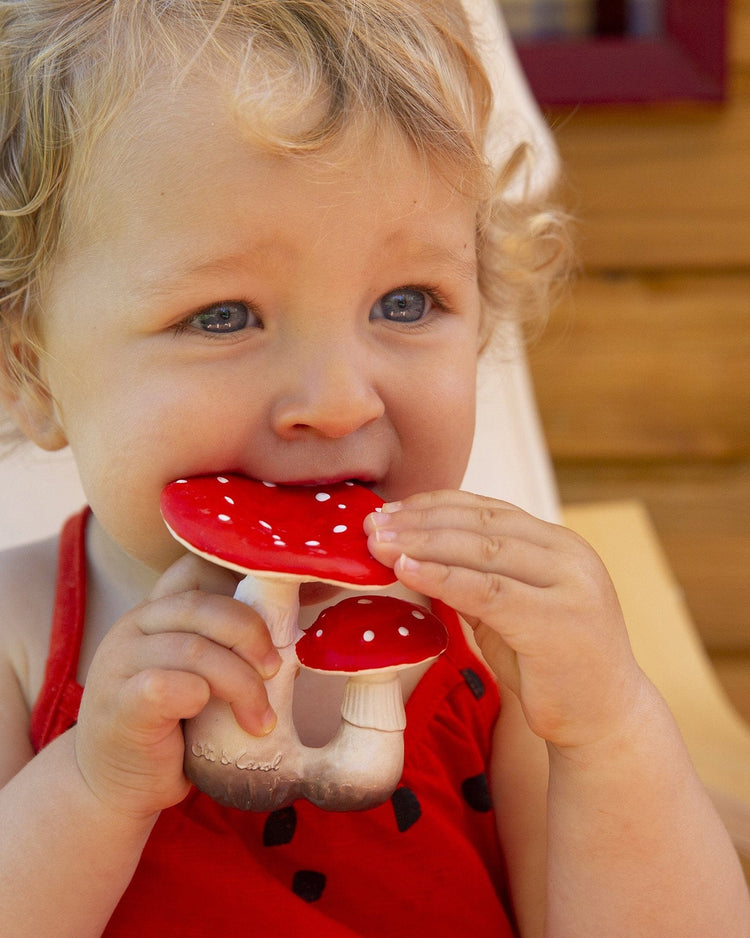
464,267
172,280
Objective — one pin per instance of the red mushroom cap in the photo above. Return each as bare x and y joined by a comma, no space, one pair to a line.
305,532
371,633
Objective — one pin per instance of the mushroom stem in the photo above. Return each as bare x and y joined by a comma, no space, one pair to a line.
359,768
276,600
374,700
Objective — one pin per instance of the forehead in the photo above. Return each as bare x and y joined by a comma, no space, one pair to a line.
277,102
175,191
170,144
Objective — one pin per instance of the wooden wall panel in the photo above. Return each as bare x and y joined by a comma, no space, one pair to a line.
643,376
701,511
659,188
648,367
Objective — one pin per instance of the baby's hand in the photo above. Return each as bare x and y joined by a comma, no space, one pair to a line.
157,666
543,608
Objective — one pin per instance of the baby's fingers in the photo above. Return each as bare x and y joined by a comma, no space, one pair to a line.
466,511
157,698
201,668
505,554
479,596
220,619
191,572
217,639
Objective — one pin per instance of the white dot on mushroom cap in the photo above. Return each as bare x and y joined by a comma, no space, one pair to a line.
180,481
279,543
364,602
222,480
342,506
312,543
322,497
368,636
417,614
339,529
264,524
224,518
319,633
270,485
229,500
402,630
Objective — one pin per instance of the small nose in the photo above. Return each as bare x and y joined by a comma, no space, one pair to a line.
331,395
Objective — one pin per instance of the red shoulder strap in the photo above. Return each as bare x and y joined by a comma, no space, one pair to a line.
56,708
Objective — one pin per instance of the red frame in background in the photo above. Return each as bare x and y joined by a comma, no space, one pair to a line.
687,63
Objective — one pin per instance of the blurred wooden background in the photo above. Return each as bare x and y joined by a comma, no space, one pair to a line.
643,374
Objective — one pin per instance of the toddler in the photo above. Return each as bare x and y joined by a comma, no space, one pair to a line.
261,237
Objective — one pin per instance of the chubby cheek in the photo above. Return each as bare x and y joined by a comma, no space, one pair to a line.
437,444
127,506
436,467
146,538
123,468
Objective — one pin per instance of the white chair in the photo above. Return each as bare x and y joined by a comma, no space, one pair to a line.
510,461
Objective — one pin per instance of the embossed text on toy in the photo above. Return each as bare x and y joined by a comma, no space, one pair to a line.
242,761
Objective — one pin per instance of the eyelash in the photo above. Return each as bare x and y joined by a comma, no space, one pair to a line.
436,300
184,327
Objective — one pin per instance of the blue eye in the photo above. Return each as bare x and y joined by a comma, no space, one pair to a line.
222,318
404,306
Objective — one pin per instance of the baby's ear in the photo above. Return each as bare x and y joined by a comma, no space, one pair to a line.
26,398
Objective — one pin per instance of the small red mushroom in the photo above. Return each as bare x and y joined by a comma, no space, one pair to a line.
372,638
280,536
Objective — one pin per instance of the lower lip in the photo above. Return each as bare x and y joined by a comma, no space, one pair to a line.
332,480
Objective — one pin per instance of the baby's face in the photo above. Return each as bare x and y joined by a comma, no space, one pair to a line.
295,320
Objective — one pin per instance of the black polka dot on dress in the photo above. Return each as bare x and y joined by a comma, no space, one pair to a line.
308,885
476,792
280,827
474,682
406,808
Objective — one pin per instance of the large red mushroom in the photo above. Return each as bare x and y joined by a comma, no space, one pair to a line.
279,536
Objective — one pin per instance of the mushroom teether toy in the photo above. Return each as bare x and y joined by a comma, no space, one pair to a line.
279,536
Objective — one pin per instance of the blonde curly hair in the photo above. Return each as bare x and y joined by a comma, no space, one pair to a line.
305,70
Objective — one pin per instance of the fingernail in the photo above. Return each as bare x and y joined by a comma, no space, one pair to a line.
384,535
270,665
390,507
268,721
407,564
378,519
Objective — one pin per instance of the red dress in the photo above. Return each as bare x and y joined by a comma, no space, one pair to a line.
427,862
